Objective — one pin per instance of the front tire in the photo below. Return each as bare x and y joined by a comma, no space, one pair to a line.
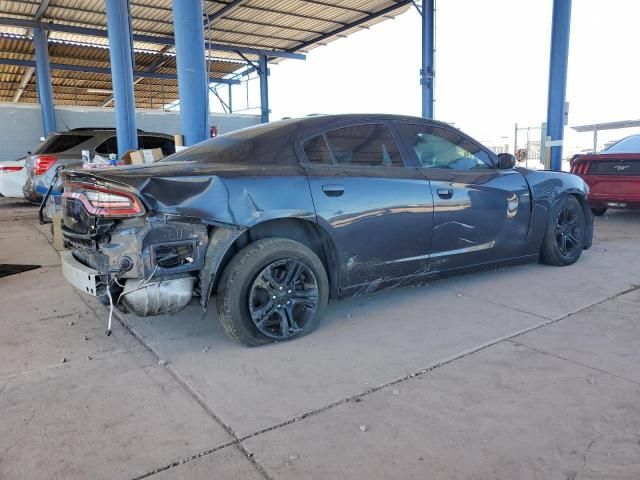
272,290
564,240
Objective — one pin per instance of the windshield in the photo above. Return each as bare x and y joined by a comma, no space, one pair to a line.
269,143
626,145
57,143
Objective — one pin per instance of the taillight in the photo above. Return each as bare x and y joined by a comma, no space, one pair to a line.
43,163
103,201
10,169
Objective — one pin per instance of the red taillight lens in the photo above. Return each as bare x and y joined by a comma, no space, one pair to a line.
104,202
10,169
43,163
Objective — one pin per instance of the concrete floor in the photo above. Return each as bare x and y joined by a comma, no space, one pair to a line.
530,372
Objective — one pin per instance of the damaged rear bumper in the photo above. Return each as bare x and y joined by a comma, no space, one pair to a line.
82,277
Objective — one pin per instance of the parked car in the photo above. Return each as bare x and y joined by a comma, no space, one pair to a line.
275,220
65,149
613,175
12,178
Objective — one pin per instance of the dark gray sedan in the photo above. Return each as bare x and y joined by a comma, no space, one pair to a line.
275,220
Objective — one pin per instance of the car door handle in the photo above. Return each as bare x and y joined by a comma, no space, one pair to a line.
333,190
445,193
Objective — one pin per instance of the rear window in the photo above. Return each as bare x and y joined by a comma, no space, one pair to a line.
61,143
626,145
267,144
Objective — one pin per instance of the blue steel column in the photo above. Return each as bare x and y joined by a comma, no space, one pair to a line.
427,73
120,54
559,59
264,88
43,81
192,76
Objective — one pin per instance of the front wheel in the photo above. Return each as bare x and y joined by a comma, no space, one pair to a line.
272,290
564,241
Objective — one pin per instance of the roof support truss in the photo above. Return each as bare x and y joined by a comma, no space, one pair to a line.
106,71
157,40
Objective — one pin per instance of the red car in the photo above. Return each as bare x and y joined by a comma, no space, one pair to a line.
613,175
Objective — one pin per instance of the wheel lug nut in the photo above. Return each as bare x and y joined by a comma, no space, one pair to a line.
280,288
289,291
279,306
274,297
288,302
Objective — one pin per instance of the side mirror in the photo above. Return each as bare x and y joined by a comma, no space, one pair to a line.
506,161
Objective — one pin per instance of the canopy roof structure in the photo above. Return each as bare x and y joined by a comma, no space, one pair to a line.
236,32
607,126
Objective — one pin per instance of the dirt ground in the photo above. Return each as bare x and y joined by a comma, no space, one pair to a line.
530,372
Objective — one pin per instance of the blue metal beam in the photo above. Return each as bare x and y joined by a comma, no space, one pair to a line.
192,77
43,81
427,73
264,88
558,62
153,39
106,71
120,53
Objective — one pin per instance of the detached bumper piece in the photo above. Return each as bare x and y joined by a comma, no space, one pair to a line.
82,277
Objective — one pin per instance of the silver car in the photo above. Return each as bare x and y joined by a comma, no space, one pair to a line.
65,149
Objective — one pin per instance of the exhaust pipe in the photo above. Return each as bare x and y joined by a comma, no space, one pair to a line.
165,296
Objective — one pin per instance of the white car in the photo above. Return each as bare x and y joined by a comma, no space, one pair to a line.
13,176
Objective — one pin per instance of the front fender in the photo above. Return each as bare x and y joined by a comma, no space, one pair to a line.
550,187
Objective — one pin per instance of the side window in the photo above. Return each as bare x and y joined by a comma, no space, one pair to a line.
110,145
167,145
440,148
370,144
317,150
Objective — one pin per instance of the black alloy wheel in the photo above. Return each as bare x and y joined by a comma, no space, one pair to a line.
569,229
283,298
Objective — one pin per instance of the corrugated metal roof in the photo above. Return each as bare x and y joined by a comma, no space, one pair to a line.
283,25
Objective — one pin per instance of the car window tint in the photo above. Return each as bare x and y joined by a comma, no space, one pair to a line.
317,150
441,148
364,145
626,145
167,145
110,145
61,143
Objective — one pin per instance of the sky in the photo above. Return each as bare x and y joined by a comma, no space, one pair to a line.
492,59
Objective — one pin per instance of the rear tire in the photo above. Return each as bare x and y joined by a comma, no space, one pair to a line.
598,212
272,290
564,240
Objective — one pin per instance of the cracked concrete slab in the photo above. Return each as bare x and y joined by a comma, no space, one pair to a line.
609,268
361,343
227,463
606,337
503,413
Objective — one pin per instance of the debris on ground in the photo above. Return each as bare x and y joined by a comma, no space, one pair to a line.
63,360
363,428
162,362
70,323
85,338
396,392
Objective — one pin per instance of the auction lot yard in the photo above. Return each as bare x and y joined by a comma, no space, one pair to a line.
530,372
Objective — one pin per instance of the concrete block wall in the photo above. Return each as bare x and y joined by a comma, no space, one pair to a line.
21,124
